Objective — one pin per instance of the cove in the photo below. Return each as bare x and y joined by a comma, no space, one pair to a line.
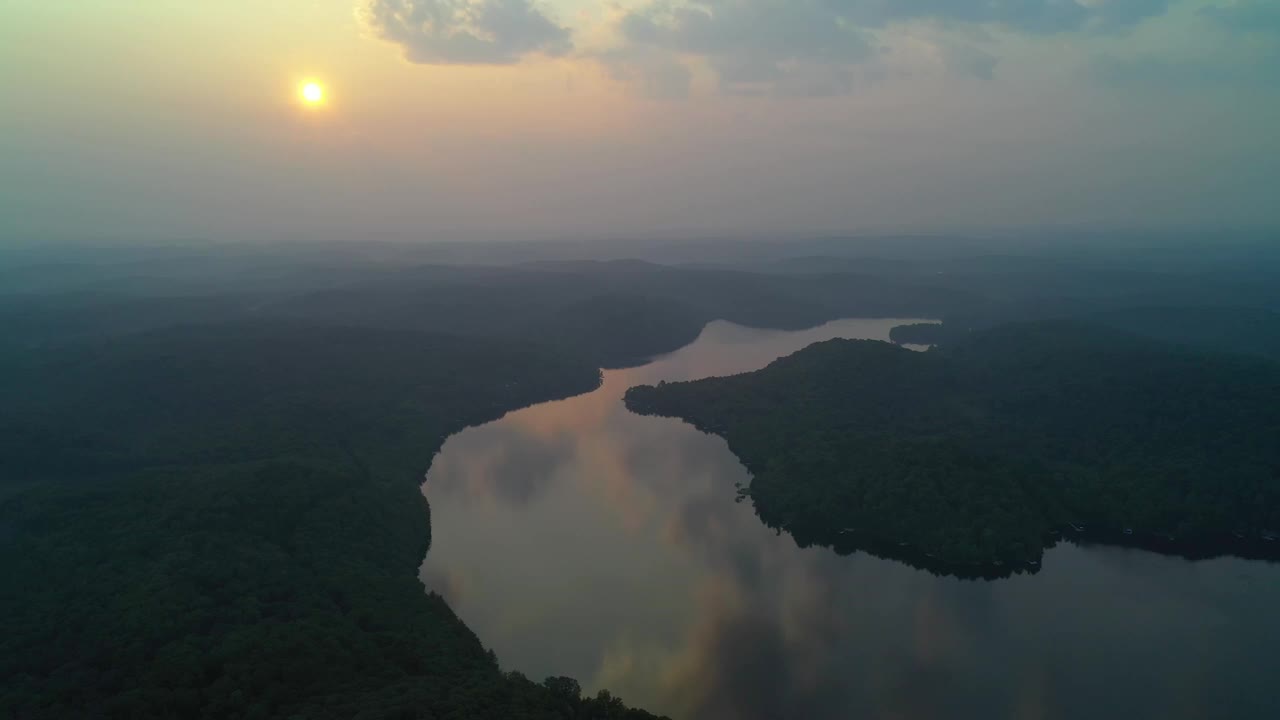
577,538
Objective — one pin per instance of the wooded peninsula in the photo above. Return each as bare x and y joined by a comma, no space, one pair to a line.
979,452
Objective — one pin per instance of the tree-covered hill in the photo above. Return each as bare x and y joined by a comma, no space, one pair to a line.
975,452
614,313
209,491
1241,330
225,522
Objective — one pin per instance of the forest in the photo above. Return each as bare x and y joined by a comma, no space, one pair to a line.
210,457
210,501
225,521
978,452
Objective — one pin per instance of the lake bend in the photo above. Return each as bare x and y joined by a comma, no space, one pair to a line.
577,538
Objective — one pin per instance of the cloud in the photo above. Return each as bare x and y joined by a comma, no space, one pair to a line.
970,60
796,47
464,32
1205,59
814,47
1185,74
1247,16
658,75
1038,16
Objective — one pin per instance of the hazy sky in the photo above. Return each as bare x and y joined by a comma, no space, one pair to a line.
461,119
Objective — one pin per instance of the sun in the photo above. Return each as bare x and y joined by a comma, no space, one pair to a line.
312,93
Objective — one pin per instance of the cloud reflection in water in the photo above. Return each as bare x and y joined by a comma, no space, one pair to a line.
576,538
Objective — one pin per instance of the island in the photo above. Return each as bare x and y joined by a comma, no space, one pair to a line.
978,454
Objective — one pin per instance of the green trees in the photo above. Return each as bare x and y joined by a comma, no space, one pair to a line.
973,453
225,522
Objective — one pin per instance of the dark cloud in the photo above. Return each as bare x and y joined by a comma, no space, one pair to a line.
1208,65
753,46
657,74
1185,74
970,60
1249,16
465,32
810,47
768,28
1041,16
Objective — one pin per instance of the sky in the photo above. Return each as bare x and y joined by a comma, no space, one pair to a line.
533,119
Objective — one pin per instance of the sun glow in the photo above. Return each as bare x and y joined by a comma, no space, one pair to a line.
312,93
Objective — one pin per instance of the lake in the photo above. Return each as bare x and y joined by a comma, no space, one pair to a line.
577,538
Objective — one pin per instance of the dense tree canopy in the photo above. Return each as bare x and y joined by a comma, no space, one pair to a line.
976,452
1241,330
209,503
225,521
616,313
209,463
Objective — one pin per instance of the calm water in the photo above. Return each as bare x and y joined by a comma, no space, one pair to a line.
576,538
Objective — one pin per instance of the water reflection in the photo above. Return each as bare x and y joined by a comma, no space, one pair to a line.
577,538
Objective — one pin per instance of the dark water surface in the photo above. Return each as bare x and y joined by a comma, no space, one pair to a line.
576,538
